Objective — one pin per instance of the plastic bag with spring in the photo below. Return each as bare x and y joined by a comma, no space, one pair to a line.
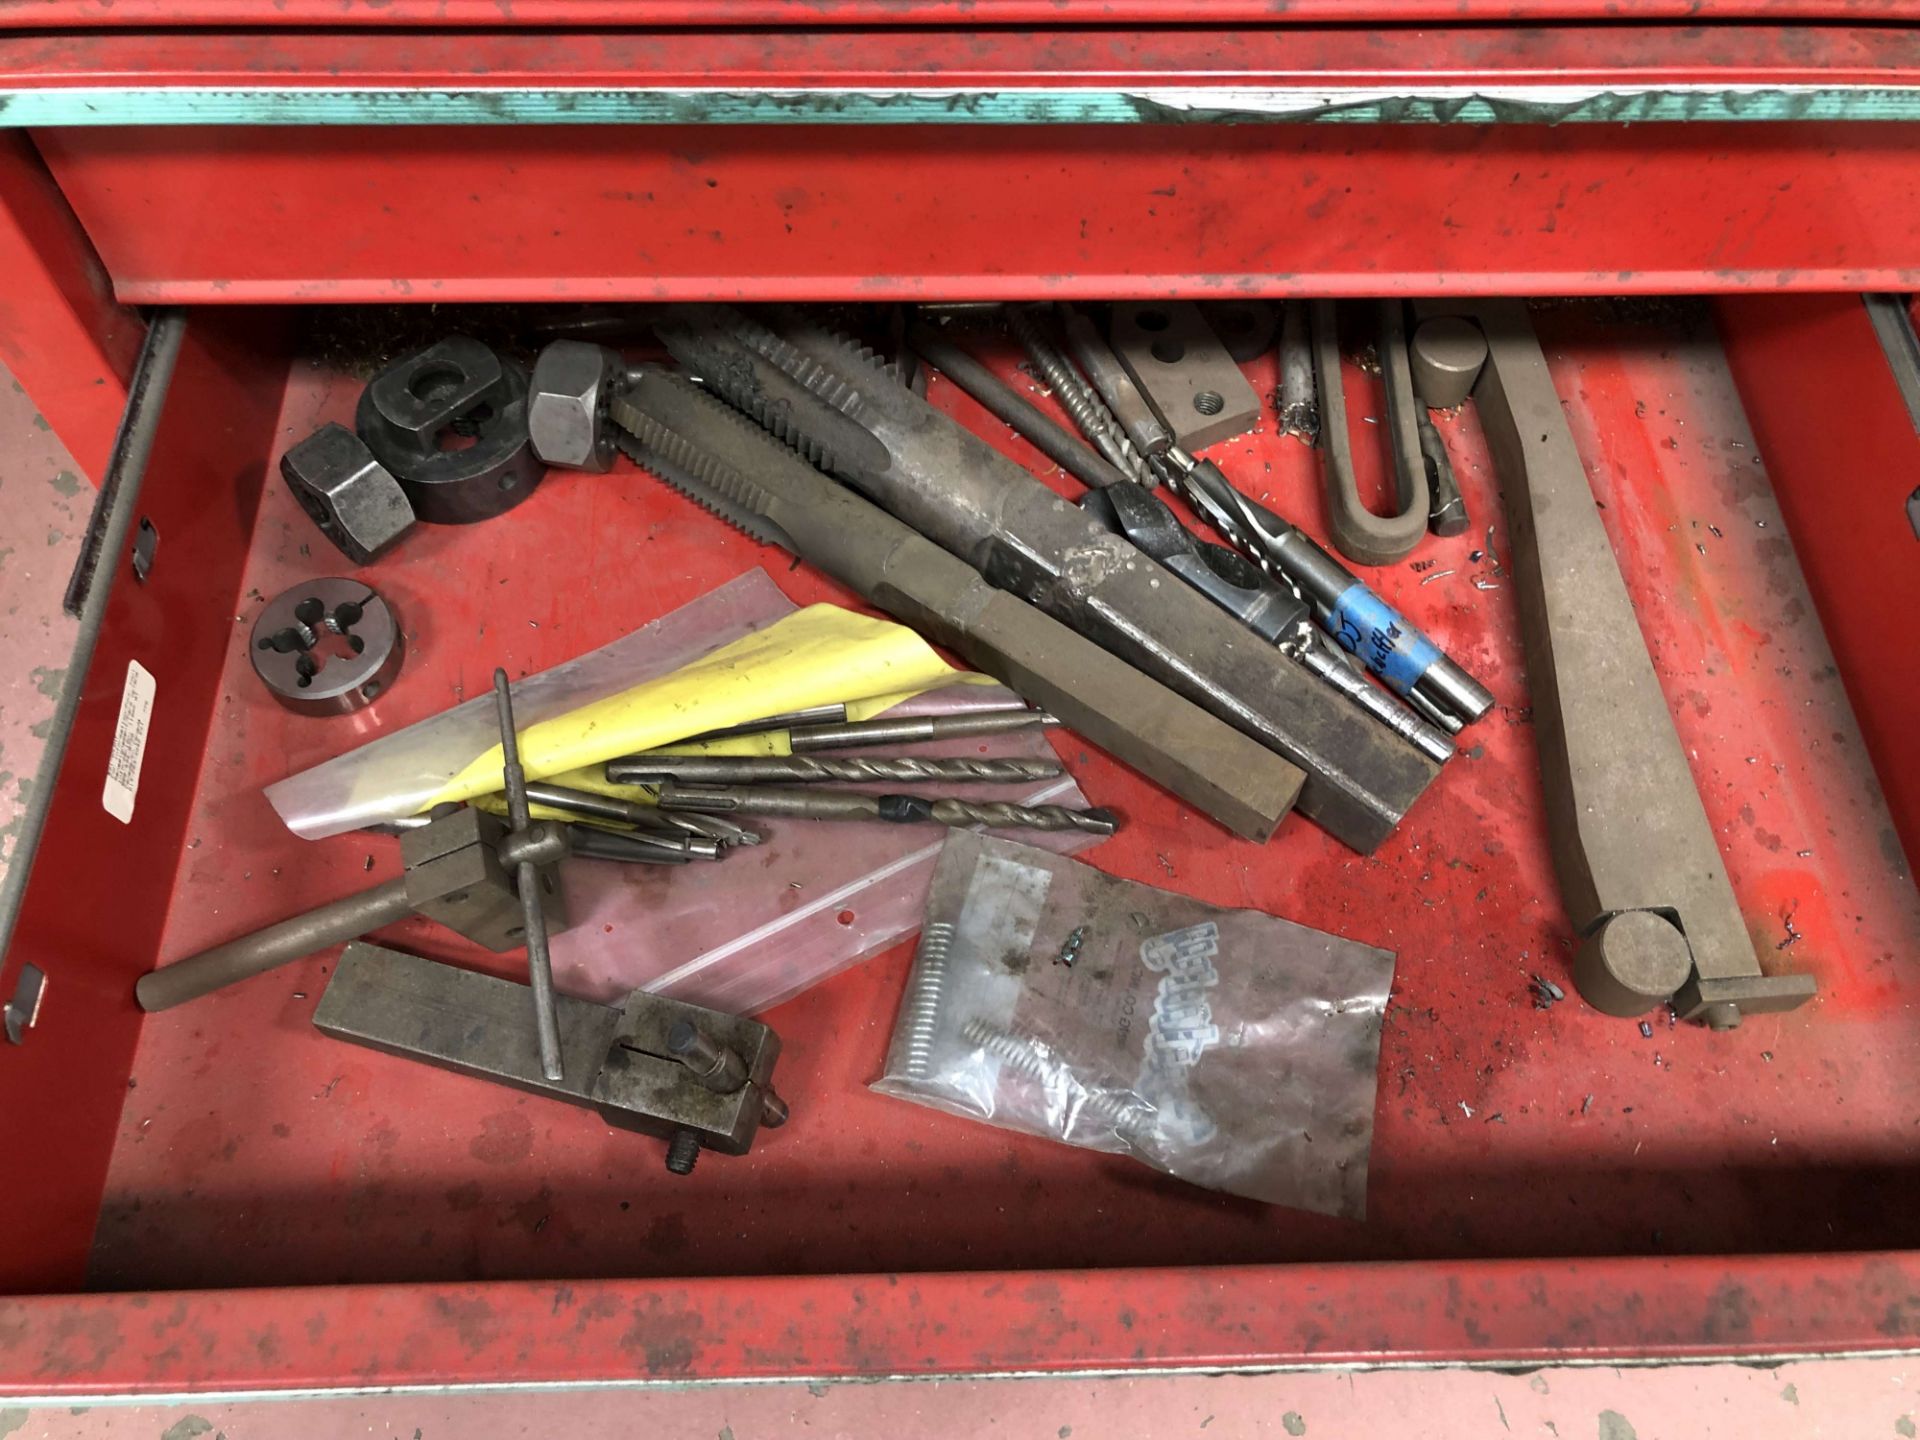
1231,1048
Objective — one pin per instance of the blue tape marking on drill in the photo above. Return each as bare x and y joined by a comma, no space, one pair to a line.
1365,625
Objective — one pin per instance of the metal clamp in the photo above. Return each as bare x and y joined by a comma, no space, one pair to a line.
696,1078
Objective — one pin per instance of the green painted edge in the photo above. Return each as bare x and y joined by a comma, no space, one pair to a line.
22,107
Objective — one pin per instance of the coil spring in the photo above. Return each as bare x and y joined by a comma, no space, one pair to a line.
1114,1110
929,988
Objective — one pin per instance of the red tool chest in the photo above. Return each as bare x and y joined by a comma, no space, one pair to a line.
220,1199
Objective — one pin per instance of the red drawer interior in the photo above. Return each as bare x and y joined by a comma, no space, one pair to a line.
251,1150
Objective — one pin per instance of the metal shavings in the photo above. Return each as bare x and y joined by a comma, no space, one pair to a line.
1714,530
1546,994
1586,1105
1480,584
1437,575
1466,1109
1804,854
1476,556
1698,546
1793,935
1496,1118
1419,565
1646,1029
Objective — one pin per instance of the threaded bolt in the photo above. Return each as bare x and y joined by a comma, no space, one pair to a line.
683,1152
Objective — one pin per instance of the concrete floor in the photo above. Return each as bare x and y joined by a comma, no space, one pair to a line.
44,504
1839,1400
43,508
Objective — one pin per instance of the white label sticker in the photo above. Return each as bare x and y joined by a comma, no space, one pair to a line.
129,744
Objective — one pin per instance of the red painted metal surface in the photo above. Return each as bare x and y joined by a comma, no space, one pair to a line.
100,888
253,1152
60,329
1844,457
1218,58
800,211
611,14
805,213
1129,1320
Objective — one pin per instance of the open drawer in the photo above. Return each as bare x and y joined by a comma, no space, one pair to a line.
1545,1182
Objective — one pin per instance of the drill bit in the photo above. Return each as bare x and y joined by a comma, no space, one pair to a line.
1077,397
1125,403
1395,649
651,825
812,715
899,809
804,769
1006,404
917,729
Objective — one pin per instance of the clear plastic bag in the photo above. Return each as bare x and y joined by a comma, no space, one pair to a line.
741,935
1231,1048
813,898
401,774
710,664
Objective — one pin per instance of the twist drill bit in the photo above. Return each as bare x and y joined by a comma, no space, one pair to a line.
899,809
1002,401
1079,399
1389,644
1128,406
806,769
1275,610
917,729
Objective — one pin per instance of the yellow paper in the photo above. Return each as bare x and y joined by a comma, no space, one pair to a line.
821,655
780,742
